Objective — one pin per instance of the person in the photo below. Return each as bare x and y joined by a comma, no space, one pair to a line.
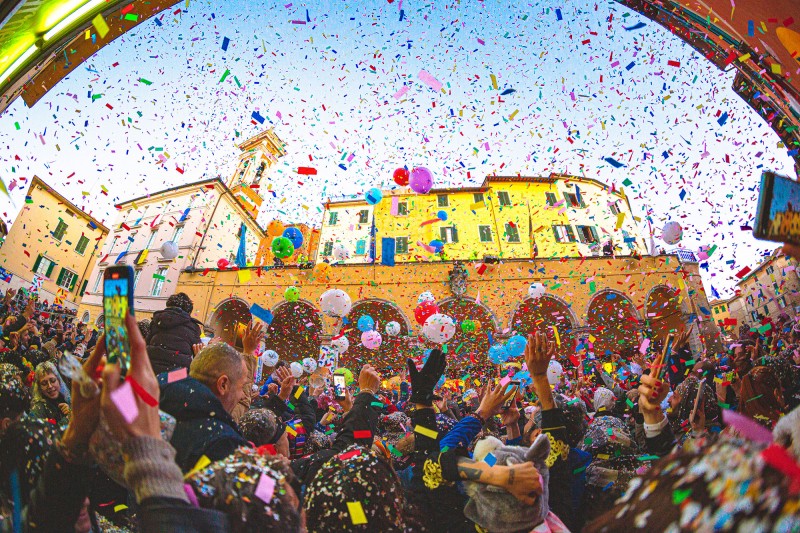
202,405
15,397
263,427
51,399
173,333
761,396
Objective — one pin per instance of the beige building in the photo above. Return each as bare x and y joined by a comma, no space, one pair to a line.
773,287
51,247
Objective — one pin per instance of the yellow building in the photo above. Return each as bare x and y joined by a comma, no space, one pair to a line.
721,312
505,218
52,245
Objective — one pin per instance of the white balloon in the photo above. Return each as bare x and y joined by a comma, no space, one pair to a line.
439,328
335,302
309,365
270,357
426,296
536,291
393,328
169,250
340,344
672,233
297,369
554,371
340,252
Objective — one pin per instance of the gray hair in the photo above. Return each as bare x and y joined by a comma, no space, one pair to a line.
216,360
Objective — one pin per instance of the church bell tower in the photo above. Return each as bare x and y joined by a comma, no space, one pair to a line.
259,154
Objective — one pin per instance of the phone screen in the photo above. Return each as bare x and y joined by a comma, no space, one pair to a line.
115,307
778,216
511,384
339,387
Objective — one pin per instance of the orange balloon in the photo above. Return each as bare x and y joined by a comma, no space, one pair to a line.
275,228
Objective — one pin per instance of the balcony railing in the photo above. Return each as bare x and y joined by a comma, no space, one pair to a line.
686,256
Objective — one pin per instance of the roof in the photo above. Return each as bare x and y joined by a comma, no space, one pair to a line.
38,181
268,135
552,178
776,253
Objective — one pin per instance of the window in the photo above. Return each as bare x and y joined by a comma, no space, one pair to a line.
477,197
448,234
401,245
770,269
136,275
176,236
82,243
587,234
66,279
754,315
150,239
485,233
43,266
97,281
512,233
158,281
442,200
361,247
113,244
363,216
563,233
614,208
402,209
750,300
328,248
503,198
333,218
572,200
60,230
550,198
782,301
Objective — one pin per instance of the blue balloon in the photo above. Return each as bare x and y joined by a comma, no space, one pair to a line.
442,215
294,235
524,378
373,196
441,382
365,323
516,345
437,245
498,354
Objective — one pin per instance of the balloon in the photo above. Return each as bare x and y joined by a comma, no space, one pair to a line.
294,235
222,264
401,177
292,294
672,233
327,356
442,215
440,383
421,180
554,371
524,378
275,227
270,357
297,369
467,326
371,340
373,196
340,252
169,250
348,376
316,381
437,245
516,345
366,323
498,354
439,328
424,310
321,271
335,302
282,247
426,296
340,344
309,365
393,328
536,291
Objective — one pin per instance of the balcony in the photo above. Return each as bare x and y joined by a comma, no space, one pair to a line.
685,256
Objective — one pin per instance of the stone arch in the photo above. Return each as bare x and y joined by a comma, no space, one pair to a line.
548,314
225,317
663,310
86,317
466,351
101,321
295,331
613,322
391,354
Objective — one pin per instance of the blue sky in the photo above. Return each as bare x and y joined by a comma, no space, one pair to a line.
328,86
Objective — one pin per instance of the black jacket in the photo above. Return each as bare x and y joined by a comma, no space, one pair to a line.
173,331
203,426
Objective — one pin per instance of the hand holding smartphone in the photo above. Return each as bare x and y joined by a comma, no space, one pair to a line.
339,387
118,302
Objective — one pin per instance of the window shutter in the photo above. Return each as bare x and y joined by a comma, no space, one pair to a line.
443,234
50,269
594,234
570,233
74,281
36,263
83,286
60,277
555,233
455,234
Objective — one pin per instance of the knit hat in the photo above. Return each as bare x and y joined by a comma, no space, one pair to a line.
261,426
317,441
494,508
356,490
603,399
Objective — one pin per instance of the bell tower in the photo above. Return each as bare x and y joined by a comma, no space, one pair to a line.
259,154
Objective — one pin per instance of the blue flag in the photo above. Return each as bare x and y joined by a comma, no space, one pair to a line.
241,253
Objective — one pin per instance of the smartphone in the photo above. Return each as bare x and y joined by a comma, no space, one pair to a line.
514,383
339,387
117,302
778,201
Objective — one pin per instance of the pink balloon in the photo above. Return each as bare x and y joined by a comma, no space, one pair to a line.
371,340
421,180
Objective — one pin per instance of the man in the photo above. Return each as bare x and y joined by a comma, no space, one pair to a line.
202,405
173,332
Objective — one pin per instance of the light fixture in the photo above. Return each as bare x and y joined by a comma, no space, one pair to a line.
73,17
18,63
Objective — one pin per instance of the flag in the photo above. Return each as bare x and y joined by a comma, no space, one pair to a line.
387,251
714,292
5,275
241,253
578,195
37,283
142,257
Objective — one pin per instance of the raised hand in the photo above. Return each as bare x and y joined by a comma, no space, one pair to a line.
424,381
287,381
197,348
253,335
493,398
369,380
538,353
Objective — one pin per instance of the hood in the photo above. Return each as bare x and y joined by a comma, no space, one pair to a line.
172,317
188,399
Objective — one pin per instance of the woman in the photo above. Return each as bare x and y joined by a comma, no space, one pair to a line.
761,396
51,399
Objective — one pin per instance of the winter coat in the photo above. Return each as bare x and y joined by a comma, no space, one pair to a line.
173,332
203,426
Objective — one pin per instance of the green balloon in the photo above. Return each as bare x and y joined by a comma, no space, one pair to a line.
348,375
282,247
467,326
292,294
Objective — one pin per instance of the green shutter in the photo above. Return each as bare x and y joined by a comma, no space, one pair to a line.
50,269
83,286
36,263
60,276
74,281
455,234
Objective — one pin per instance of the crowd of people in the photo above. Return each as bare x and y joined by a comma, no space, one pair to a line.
195,438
